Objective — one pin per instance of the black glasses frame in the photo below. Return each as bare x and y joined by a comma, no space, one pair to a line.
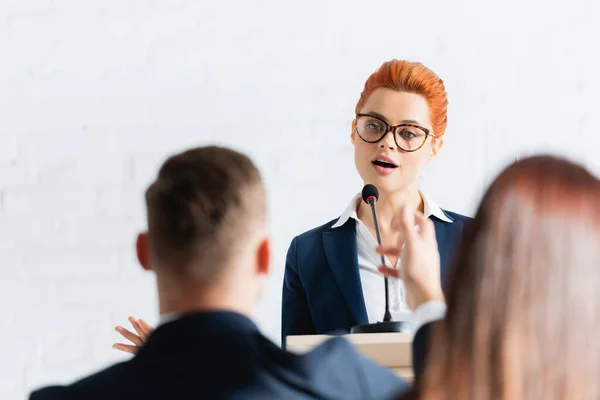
393,129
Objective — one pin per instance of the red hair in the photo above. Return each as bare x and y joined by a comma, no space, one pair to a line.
412,77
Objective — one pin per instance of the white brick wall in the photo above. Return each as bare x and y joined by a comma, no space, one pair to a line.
94,95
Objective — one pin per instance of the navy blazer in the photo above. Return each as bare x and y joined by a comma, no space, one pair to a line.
322,292
222,355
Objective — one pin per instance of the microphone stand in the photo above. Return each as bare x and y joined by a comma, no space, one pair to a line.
387,316
387,325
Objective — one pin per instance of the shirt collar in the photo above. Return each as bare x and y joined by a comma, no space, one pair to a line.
349,212
430,207
168,317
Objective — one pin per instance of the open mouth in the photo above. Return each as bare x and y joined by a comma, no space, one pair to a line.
384,164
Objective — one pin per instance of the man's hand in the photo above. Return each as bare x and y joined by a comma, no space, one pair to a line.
141,327
420,258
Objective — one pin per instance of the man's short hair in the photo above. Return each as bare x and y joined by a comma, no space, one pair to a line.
201,208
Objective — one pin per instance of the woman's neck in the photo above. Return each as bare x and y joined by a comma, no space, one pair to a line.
388,206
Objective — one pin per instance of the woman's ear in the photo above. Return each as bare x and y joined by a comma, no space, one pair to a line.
437,144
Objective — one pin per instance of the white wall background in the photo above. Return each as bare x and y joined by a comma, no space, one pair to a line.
95,94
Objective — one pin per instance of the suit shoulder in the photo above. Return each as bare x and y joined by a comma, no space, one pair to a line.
315,232
50,393
373,380
100,383
338,351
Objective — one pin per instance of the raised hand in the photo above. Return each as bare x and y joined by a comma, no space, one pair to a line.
419,255
142,328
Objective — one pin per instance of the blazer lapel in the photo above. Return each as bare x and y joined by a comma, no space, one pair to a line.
341,252
448,238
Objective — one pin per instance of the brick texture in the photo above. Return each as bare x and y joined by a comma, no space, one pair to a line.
94,96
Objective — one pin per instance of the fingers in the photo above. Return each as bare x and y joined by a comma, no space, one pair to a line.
389,272
405,223
135,339
146,326
139,328
424,224
388,250
127,348
413,224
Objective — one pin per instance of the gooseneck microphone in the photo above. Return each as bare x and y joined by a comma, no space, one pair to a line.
370,195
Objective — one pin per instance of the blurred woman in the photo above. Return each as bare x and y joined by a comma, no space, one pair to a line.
523,302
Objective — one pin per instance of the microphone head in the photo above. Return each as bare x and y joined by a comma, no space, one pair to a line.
369,193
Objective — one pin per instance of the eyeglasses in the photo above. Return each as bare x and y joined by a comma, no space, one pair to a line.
408,137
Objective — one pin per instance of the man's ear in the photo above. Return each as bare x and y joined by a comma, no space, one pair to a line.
353,132
142,248
436,146
263,256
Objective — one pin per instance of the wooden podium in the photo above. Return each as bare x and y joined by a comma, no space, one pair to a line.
392,350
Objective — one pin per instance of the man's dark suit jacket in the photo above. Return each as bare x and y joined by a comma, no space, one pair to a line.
222,355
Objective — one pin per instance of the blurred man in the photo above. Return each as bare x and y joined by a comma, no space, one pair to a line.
207,243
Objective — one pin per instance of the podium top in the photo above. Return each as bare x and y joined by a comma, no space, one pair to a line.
393,350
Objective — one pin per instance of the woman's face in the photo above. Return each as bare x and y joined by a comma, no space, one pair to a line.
384,164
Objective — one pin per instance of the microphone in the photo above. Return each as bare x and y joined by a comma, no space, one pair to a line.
370,195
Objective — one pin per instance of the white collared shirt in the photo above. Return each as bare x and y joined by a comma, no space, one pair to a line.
168,317
372,281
